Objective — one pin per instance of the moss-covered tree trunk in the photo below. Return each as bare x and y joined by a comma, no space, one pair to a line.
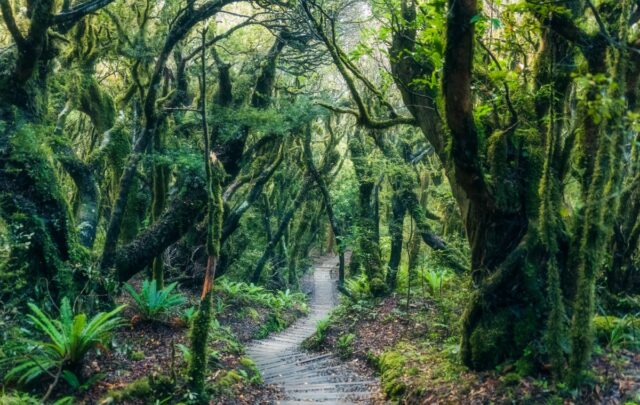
368,252
31,203
215,208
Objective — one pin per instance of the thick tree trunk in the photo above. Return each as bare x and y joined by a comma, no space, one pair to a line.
505,299
33,207
503,303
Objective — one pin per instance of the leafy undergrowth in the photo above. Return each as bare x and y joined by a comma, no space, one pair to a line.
145,361
414,351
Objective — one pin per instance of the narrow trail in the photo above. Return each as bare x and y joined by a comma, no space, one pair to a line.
309,378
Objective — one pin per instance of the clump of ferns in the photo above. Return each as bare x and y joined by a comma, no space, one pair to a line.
154,303
61,344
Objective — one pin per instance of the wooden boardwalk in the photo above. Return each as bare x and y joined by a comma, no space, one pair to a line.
311,378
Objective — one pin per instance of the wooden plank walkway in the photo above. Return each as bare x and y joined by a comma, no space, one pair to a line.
311,378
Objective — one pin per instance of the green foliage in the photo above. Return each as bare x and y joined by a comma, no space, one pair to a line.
358,287
225,338
436,280
69,338
188,314
77,385
617,333
344,345
288,117
33,220
18,398
316,340
274,323
137,355
287,299
249,370
154,389
153,303
250,296
243,294
392,366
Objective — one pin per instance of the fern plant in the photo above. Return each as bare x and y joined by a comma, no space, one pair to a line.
315,341
240,293
153,303
69,338
287,299
188,314
436,280
344,345
358,287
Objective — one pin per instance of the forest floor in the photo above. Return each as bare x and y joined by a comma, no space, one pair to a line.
146,358
415,352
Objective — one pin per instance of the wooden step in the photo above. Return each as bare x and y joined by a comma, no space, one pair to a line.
311,378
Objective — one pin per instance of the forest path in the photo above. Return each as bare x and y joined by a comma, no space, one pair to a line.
310,378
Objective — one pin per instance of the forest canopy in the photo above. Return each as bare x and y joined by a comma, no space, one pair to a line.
189,164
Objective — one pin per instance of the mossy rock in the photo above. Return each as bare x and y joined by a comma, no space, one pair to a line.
228,379
138,389
378,287
147,389
511,379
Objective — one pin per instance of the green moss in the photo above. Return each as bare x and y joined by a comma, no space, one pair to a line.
499,168
344,345
511,379
489,341
378,287
392,366
137,355
138,389
18,398
37,215
135,211
117,149
199,339
531,145
249,367
92,100
149,390
525,328
228,379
